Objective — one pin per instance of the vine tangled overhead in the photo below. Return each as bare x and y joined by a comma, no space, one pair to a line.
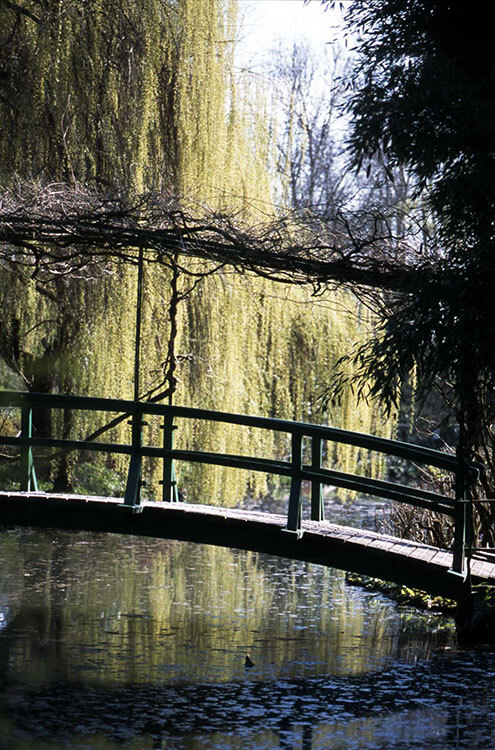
55,230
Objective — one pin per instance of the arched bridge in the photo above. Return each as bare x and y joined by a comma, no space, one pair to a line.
428,568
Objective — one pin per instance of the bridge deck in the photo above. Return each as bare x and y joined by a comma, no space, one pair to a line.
356,550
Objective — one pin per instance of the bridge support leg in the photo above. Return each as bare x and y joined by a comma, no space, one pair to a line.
132,495
170,491
27,481
459,557
463,524
317,508
294,515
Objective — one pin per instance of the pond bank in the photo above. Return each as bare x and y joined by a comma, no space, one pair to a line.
474,616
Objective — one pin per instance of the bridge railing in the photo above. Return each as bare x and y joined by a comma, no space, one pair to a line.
458,506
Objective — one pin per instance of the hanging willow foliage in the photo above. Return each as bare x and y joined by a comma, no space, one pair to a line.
143,94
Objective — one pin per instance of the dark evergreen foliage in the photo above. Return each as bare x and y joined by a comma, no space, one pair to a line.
423,96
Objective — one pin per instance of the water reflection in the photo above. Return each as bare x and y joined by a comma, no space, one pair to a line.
110,641
123,609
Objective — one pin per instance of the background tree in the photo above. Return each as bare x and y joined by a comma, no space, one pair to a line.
307,90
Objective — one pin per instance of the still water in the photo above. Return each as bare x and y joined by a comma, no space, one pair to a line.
110,641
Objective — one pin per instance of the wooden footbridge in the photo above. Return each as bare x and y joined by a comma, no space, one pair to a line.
316,540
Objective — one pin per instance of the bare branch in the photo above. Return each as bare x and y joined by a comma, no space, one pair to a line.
53,231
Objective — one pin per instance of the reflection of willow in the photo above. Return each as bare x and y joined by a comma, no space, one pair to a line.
126,607
345,629
190,631
117,609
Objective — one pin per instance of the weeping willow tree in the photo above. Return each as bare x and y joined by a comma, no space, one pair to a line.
143,94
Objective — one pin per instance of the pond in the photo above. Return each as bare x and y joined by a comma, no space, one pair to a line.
110,641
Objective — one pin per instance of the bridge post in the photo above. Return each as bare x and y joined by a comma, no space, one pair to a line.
170,493
294,515
27,481
132,495
317,507
463,521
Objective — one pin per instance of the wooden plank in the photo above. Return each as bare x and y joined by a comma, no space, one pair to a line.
483,569
362,540
425,554
383,544
335,533
403,549
443,558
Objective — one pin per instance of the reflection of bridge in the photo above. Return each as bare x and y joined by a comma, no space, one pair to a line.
428,568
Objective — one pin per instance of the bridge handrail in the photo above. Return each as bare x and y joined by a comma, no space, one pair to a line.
296,469
398,448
